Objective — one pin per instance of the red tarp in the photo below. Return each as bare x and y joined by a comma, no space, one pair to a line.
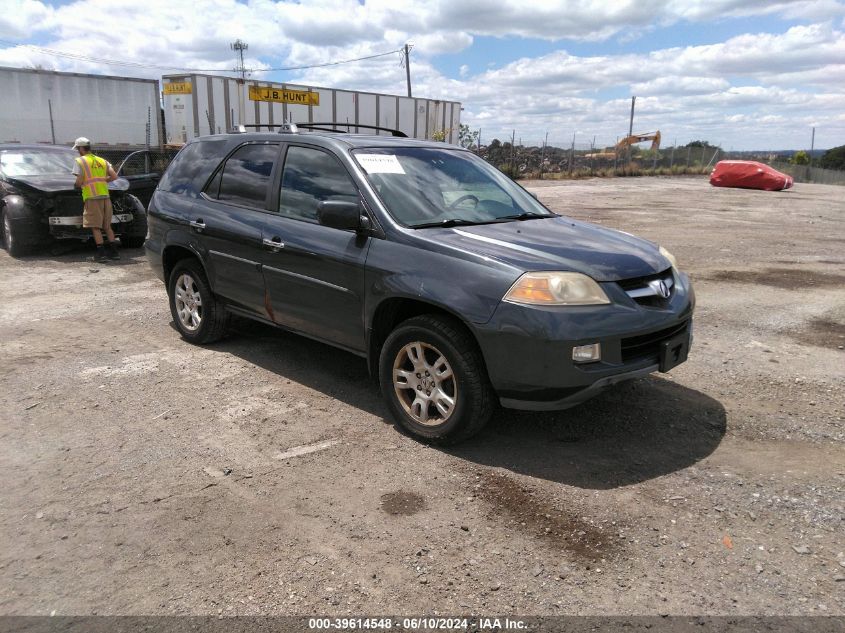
748,174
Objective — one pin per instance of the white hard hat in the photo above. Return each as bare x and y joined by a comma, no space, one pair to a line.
81,142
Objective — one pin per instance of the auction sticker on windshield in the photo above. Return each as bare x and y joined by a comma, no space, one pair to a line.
380,163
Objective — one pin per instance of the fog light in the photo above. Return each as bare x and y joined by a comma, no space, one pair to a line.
586,353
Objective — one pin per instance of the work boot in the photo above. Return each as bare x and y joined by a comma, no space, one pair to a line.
100,256
111,249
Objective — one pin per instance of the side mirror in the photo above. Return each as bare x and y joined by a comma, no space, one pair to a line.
120,184
533,195
340,214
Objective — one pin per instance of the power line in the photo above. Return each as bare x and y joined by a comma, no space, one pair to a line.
344,61
114,62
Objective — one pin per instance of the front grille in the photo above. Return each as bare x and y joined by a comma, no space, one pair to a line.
643,290
68,205
648,345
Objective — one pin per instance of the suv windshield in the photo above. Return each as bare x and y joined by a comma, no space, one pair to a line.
424,187
36,162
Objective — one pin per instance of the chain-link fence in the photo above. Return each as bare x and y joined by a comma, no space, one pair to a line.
136,162
143,168
584,160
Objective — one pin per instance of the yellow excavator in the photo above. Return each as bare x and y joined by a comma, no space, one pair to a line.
622,146
654,137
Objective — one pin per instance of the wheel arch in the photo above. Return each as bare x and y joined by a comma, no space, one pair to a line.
175,253
393,311
15,206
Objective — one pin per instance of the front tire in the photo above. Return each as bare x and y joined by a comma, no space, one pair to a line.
434,381
198,315
11,240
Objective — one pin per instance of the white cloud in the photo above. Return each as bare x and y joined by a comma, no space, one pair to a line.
680,85
20,18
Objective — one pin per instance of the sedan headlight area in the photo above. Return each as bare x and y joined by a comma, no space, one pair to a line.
670,257
556,289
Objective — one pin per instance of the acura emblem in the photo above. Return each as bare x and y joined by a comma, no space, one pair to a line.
660,288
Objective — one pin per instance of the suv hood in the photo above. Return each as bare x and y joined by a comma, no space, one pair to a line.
558,244
46,184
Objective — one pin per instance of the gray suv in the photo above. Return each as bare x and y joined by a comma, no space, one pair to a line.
460,289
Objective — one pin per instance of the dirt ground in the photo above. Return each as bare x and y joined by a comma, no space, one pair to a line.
143,475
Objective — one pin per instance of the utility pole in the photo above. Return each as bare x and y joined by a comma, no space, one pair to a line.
408,67
810,164
52,127
239,47
513,155
631,128
812,146
543,154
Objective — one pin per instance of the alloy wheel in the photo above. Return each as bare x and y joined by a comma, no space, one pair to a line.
425,384
188,302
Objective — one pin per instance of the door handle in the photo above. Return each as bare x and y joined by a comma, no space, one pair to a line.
197,224
274,243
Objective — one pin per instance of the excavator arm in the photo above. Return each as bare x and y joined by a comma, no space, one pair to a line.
654,137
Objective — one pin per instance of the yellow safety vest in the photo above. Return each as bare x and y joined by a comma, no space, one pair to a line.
94,176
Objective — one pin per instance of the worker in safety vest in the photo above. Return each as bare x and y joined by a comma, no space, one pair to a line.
92,176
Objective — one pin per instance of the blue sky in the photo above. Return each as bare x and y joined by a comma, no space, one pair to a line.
750,74
487,51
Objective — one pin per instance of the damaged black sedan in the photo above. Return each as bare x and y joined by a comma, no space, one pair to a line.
39,204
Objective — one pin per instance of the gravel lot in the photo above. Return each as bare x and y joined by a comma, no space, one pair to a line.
147,476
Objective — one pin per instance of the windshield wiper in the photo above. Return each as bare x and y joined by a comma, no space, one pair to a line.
527,216
451,222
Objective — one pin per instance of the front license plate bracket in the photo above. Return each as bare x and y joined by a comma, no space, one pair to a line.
674,351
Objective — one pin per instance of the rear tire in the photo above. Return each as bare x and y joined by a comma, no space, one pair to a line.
434,380
198,315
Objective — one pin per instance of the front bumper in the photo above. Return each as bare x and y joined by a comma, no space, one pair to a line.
528,350
76,220
69,227
579,396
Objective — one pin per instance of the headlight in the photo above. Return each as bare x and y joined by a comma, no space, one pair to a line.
670,257
556,289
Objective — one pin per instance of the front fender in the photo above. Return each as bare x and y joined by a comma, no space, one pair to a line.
397,270
137,205
15,208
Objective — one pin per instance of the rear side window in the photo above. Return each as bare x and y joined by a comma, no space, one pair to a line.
245,177
311,175
192,166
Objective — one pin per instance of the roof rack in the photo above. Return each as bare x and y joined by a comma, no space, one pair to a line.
332,127
242,128
293,128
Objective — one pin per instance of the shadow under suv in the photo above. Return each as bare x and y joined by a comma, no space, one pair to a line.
456,284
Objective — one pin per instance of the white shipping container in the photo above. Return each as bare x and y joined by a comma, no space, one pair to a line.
42,106
197,105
